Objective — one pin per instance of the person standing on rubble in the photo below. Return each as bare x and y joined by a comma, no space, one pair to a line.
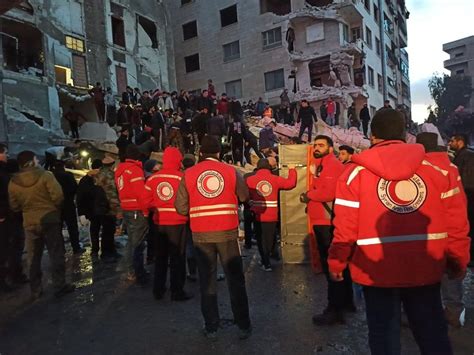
307,117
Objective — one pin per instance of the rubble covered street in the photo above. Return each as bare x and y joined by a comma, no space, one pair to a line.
109,315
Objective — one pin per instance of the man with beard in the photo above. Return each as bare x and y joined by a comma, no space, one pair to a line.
319,198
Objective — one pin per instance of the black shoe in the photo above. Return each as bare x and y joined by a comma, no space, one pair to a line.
181,297
159,294
78,251
245,333
67,288
329,317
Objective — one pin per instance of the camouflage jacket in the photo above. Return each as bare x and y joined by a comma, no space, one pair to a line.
106,179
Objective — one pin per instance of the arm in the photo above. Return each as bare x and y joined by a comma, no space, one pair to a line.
313,113
54,189
182,199
137,182
346,225
241,189
15,204
290,182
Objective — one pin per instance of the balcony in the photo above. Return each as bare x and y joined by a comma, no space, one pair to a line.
453,62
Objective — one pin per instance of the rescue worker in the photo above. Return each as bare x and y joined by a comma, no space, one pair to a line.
319,198
264,188
395,229
134,201
452,290
36,193
169,227
210,192
345,154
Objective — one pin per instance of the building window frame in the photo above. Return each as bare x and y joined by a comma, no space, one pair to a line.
76,44
238,94
187,63
368,37
270,38
274,80
222,13
370,76
187,38
233,48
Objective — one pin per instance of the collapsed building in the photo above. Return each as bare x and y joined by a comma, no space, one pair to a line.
350,50
54,51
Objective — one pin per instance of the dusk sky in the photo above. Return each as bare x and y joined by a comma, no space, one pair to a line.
432,23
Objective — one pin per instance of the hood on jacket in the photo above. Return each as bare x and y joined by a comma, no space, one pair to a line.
392,160
28,177
172,158
127,165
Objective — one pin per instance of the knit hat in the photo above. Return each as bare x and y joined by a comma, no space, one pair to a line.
149,165
388,124
210,145
26,159
428,140
264,164
189,160
132,152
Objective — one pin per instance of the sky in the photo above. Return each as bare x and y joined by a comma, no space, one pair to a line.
432,23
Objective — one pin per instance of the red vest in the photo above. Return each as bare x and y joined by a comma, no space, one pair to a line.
212,200
163,186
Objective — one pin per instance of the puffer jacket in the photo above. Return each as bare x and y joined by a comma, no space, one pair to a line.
130,182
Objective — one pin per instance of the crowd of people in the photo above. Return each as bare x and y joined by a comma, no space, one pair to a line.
393,219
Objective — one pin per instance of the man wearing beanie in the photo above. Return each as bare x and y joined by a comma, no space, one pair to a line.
134,202
452,290
37,194
210,193
394,229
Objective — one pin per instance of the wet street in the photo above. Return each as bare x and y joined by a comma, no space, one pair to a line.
109,315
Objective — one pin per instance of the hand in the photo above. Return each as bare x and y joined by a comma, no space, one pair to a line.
304,198
291,166
336,276
84,221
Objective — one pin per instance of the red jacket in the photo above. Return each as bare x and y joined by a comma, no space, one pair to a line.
323,190
331,107
130,182
163,185
223,107
392,219
264,188
213,202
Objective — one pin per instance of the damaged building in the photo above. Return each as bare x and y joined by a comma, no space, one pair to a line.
350,50
54,51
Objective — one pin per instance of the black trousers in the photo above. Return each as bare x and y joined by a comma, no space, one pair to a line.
265,233
69,216
470,216
106,224
170,248
229,254
304,126
49,160
425,314
340,293
238,149
74,129
251,145
365,127
249,221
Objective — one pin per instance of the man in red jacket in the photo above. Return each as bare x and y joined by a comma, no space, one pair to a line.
395,229
264,188
327,169
170,227
135,202
210,192
452,289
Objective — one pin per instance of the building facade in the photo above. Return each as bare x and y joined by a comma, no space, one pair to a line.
350,50
461,60
54,51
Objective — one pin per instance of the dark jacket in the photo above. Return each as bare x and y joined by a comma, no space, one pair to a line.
122,144
199,124
364,114
86,195
307,115
4,180
267,138
216,126
68,185
37,194
464,160
204,102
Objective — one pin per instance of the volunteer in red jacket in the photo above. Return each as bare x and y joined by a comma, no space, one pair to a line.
452,289
327,169
170,227
210,192
264,188
394,227
135,202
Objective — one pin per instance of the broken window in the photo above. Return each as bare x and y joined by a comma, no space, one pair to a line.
150,29
229,15
319,3
359,77
22,47
191,63
274,80
231,51
278,7
319,70
272,38
35,119
118,26
75,44
190,30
